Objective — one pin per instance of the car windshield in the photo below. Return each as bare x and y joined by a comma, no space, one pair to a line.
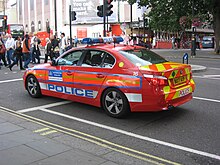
142,57
16,27
207,39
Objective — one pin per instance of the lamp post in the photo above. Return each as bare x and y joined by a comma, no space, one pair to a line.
48,27
55,15
193,44
131,24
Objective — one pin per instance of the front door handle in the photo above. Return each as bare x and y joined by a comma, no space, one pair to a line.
69,73
100,76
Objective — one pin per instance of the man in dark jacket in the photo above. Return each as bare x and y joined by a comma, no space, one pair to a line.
55,51
48,50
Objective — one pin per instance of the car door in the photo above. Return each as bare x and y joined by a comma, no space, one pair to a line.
60,76
90,74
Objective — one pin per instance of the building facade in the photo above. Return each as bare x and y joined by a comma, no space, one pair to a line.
35,15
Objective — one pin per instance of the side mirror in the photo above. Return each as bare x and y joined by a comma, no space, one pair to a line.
53,62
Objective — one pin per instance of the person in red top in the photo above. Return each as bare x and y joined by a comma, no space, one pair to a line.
26,50
2,54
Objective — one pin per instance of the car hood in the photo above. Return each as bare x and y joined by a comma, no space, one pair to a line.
41,66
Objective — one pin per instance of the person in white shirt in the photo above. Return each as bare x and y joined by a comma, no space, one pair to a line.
63,43
10,45
33,39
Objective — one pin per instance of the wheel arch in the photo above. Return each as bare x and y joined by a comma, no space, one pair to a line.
113,87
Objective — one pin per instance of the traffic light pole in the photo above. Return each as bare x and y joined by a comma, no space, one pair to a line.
131,20
70,15
104,17
55,15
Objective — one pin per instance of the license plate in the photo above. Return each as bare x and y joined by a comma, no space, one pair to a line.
179,80
184,92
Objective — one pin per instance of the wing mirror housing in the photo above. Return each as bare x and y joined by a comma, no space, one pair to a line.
54,62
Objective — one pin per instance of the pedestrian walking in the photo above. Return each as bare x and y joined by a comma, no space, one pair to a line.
2,54
75,41
36,50
197,42
154,42
32,38
18,56
173,40
48,50
17,39
63,43
55,50
10,44
26,50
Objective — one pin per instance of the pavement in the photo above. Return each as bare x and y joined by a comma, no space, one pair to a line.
23,141
178,54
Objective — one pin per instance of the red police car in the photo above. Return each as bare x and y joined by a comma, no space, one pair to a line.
119,78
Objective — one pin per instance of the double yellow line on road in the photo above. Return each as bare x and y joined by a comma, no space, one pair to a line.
90,138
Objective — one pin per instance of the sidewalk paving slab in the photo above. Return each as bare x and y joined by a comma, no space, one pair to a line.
20,155
20,144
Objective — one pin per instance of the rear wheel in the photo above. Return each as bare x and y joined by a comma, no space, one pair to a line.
33,86
115,103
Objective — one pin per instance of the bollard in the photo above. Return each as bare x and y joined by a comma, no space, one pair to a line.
185,57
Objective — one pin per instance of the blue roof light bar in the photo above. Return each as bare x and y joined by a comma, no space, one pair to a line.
90,41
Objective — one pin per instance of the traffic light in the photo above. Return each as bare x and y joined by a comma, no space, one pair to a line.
4,22
73,15
108,7
146,23
100,11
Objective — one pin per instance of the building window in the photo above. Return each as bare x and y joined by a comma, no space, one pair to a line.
32,27
20,7
46,2
39,25
32,4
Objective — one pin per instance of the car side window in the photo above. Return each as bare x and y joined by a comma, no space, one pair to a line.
97,58
93,58
109,61
71,58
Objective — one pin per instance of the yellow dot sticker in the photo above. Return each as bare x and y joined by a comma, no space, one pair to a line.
121,64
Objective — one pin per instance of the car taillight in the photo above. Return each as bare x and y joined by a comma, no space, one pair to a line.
156,80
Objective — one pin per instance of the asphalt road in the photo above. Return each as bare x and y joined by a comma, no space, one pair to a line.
187,135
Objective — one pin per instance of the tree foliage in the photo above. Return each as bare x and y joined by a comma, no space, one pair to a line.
165,14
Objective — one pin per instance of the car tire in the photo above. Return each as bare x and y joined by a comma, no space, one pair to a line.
33,87
115,103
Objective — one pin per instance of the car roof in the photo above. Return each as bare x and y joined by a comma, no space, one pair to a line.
110,47
107,47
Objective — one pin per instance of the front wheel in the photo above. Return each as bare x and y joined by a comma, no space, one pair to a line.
115,103
33,86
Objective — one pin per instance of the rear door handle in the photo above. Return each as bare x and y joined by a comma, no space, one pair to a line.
69,73
100,76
